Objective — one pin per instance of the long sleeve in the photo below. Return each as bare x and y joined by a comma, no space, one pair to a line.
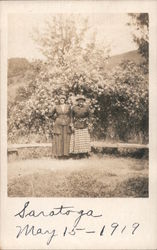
90,115
53,112
71,115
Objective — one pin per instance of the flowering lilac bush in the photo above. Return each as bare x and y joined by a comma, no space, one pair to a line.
118,102
118,98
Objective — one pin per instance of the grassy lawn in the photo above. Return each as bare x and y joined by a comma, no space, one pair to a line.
94,177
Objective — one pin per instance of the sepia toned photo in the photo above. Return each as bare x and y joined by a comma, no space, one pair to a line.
78,124
78,102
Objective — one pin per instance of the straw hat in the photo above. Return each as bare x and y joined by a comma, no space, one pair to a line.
62,97
80,97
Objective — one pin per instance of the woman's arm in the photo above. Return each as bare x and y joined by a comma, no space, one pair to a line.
71,118
53,113
90,116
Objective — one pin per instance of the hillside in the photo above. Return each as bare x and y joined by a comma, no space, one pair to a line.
17,66
117,59
20,70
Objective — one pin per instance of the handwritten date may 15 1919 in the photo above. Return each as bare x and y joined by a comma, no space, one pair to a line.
76,229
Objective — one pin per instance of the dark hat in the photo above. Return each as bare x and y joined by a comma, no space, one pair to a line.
80,97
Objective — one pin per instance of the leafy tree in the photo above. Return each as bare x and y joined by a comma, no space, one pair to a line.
129,97
140,22
75,64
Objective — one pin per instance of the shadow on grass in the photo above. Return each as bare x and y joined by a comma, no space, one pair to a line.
77,184
133,187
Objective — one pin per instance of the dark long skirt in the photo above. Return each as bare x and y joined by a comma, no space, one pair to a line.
61,142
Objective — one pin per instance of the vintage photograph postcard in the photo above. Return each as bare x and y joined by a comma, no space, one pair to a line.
78,124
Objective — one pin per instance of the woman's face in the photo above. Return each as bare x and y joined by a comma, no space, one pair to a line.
81,102
62,101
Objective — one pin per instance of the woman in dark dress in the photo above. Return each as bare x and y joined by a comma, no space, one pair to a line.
61,129
80,139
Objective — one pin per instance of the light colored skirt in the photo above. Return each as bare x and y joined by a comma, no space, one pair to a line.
80,141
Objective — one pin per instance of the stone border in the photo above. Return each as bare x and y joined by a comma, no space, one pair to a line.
39,150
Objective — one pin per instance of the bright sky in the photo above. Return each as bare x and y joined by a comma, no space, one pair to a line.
111,28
